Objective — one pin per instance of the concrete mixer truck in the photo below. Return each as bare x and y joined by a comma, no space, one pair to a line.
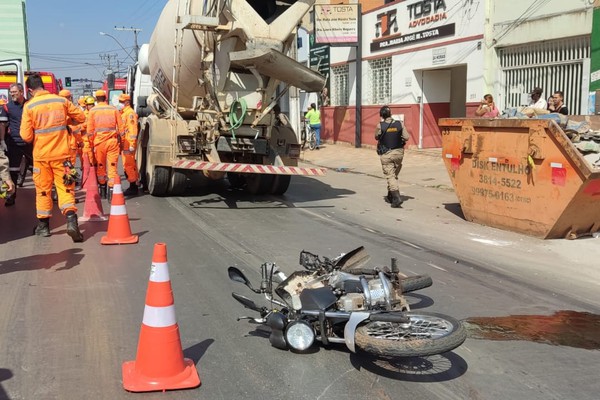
218,68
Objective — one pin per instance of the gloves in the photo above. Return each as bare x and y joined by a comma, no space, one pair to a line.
3,146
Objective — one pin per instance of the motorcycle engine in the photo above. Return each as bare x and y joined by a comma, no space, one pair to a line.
351,302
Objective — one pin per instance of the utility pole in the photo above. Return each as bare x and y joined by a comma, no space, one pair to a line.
135,37
108,57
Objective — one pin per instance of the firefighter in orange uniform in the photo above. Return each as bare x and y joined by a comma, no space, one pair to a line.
129,143
44,123
76,142
88,148
105,127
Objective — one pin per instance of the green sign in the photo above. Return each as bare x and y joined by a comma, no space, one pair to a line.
595,49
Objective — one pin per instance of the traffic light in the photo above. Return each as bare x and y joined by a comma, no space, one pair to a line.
68,81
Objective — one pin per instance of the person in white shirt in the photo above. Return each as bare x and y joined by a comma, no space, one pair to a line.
537,101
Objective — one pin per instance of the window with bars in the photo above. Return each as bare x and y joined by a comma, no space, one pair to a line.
552,65
381,80
340,89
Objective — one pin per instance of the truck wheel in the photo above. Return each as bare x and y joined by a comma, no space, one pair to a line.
177,183
280,184
259,183
236,181
159,178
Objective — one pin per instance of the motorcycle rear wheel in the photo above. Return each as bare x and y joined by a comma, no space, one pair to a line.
427,334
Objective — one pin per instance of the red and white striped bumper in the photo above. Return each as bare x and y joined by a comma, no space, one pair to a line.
248,168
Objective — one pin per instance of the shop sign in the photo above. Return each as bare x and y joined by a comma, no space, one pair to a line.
414,38
336,23
439,56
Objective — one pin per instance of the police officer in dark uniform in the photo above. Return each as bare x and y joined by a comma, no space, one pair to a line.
10,117
391,137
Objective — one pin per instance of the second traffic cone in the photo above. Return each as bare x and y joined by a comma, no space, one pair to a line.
119,231
159,363
85,170
92,210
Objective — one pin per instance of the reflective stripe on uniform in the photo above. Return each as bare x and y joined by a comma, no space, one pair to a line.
159,272
48,130
14,169
44,212
105,129
32,104
159,317
67,205
35,170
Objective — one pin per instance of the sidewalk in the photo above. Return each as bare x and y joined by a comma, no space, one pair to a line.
423,167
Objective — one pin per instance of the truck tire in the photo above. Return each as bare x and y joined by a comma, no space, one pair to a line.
177,183
259,183
280,184
159,179
236,180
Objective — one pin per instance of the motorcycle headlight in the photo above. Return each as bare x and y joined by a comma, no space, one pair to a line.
299,335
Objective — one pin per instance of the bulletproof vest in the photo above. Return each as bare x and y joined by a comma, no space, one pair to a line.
392,139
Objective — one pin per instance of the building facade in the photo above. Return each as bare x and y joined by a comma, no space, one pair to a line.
431,59
13,31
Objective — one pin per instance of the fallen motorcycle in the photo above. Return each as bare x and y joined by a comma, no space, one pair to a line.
328,303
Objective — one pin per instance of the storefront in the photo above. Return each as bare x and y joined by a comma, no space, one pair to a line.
423,58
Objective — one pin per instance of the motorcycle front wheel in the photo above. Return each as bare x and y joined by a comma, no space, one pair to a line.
426,334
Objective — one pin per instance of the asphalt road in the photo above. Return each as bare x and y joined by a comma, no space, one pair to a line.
71,313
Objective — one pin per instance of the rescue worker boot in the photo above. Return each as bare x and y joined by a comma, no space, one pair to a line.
132,190
109,195
102,190
10,200
388,198
396,200
73,227
43,228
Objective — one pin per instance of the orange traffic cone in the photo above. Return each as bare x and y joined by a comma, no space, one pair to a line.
159,363
85,170
119,231
92,210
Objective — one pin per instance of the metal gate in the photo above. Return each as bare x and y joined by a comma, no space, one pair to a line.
552,65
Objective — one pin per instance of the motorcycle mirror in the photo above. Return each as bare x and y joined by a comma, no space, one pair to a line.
238,276
246,302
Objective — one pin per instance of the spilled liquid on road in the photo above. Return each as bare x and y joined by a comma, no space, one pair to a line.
563,328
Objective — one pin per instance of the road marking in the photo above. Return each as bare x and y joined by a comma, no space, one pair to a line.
414,246
492,242
436,267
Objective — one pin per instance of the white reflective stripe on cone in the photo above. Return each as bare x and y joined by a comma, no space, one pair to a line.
117,189
118,210
159,317
159,272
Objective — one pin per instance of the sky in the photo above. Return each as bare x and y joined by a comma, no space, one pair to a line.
64,35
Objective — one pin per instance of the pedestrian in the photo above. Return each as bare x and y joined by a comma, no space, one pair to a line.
44,124
5,175
391,137
558,105
105,127
129,143
487,108
16,147
536,100
314,119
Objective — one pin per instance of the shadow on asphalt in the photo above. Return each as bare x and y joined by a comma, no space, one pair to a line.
196,352
418,301
5,374
70,257
455,209
221,193
437,368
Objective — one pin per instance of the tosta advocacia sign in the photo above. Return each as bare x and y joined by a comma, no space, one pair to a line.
414,21
336,23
